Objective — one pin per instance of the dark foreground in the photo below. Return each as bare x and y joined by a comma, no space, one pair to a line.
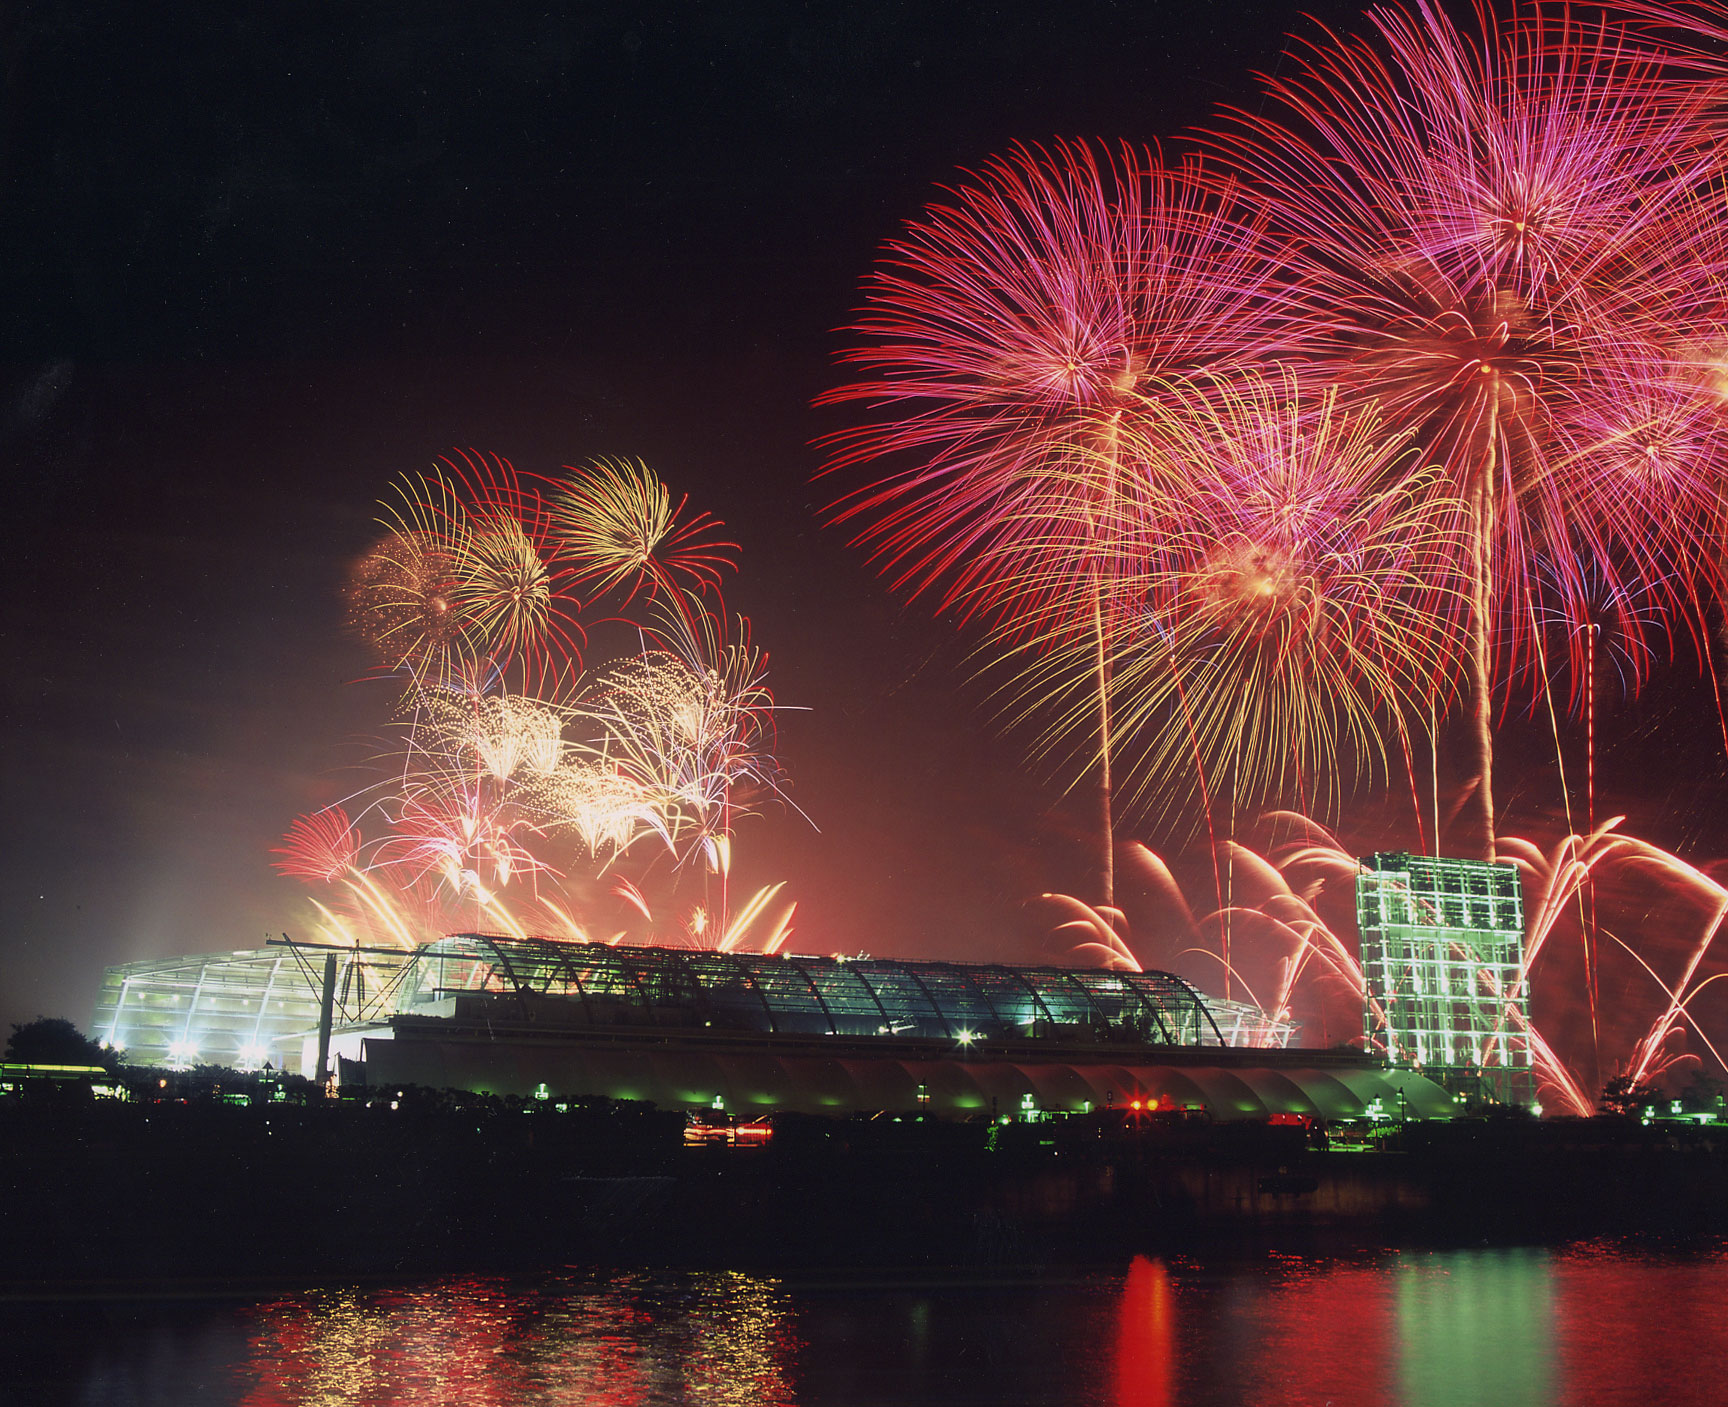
113,1192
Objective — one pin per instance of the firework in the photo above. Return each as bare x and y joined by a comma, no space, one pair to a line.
1474,224
1296,957
1011,338
519,780
693,727
511,590
1643,465
496,736
1688,904
401,602
321,847
467,583
617,521
1284,593
1022,318
1689,35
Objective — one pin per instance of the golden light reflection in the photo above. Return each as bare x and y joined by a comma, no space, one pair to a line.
722,1338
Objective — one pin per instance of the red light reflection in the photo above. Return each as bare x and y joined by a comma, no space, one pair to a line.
1145,1336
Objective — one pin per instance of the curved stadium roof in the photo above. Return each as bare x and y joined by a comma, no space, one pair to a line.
792,994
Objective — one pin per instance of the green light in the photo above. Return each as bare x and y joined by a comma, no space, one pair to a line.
1442,942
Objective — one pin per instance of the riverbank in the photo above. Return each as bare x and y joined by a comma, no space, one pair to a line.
114,1192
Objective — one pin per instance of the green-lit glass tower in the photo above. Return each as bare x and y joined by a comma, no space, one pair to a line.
1442,945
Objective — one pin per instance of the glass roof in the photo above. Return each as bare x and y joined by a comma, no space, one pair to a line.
793,994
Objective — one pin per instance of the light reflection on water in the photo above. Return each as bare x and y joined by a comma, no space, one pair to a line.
717,1338
1589,1325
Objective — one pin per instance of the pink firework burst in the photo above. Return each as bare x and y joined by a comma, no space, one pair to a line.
1013,337
1278,608
1641,461
1477,224
1008,333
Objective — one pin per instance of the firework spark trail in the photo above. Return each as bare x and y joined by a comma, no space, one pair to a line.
1690,37
1015,326
1282,913
1568,868
1010,339
1716,895
1289,915
1551,1072
1295,582
735,933
1479,230
617,521
1104,924
516,771
1558,876
1282,886
1651,1056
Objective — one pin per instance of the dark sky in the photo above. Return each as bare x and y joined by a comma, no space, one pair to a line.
256,264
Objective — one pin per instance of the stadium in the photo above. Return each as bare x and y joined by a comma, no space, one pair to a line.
748,1034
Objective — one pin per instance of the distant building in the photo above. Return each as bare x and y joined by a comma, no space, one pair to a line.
1442,951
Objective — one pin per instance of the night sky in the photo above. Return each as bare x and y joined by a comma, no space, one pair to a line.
254,267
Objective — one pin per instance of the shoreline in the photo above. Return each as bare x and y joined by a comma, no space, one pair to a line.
114,1194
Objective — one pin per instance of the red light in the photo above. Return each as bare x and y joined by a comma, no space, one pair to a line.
1136,1104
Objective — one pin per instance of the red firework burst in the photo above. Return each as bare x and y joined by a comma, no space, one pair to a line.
322,847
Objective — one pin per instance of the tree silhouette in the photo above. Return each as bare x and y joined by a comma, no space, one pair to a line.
53,1040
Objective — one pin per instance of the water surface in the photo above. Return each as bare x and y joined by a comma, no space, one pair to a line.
1590,1324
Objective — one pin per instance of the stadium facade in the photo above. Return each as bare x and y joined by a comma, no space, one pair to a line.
746,1033
242,1009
